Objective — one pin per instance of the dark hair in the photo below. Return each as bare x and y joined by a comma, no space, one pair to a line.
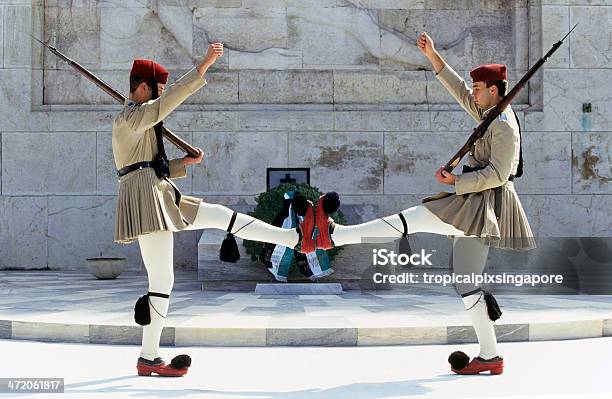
135,81
502,86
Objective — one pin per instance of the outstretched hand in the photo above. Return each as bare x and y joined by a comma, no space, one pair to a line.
215,50
425,44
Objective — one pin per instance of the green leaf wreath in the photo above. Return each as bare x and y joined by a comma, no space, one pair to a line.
270,203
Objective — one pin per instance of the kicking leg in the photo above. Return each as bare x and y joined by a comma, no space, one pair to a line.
419,219
213,216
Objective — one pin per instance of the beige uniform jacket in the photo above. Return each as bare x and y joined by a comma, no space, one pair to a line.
145,203
471,207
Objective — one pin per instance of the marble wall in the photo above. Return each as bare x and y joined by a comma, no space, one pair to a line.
334,85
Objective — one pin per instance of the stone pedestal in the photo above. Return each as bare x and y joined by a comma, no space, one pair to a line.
299,289
353,267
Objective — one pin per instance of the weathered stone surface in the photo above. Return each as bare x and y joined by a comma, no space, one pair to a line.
361,87
592,163
6,329
569,215
106,171
385,4
75,31
462,46
15,85
577,2
245,30
565,92
546,166
51,332
357,121
23,232
203,121
285,121
453,121
272,58
565,330
82,121
140,32
67,87
411,159
311,337
17,44
56,163
401,336
556,24
221,88
235,163
343,162
286,87
591,48
2,36
356,36
81,228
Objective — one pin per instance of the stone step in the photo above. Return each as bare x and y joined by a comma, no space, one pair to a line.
330,335
299,289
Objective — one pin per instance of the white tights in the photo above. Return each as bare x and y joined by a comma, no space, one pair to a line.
157,255
418,218
468,256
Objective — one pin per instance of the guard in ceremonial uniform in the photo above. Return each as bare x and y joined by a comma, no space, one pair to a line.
150,208
484,211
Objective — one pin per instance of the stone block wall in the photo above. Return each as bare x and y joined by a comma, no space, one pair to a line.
334,85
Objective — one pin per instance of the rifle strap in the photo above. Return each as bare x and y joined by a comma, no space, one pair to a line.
519,169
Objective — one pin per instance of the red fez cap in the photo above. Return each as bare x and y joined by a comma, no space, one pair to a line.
148,69
489,72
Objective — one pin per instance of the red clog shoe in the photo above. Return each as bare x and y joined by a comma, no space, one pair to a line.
479,365
304,207
177,367
327,204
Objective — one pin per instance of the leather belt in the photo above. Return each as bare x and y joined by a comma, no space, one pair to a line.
133,167
146,164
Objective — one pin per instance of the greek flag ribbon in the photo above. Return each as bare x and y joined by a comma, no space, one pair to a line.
279,259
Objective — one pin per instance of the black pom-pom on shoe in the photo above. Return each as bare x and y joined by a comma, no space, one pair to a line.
458,360
300,205
331,202
181,362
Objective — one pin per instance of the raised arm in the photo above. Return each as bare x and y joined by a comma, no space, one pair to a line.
148,114
448,77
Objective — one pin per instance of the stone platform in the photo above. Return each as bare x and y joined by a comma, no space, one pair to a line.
75,307
299,289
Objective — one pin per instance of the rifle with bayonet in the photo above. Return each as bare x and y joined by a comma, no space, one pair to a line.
481,129
171,137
